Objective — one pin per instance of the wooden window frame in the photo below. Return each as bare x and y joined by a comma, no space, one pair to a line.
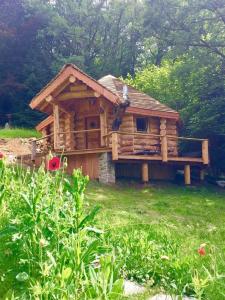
147,124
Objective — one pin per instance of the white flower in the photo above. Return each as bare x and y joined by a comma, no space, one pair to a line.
165,257
44,243
16,236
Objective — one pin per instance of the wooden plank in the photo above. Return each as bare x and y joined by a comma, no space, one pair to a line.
115,146
85,151
88,163
144,172
78,88
76,95
140,157
34,150
186,159
56,125
187,174
44,123
205,152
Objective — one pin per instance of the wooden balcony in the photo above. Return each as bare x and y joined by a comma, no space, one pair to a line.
162,152
161,149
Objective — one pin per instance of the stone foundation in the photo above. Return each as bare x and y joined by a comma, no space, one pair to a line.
106,168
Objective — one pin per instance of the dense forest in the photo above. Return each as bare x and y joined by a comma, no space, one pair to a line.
173,50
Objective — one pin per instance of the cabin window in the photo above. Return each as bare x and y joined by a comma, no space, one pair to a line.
142,124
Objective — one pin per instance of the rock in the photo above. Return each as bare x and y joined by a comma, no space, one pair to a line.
221,183
132,288
168,297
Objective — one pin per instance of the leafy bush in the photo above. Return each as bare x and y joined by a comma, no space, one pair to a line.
55,250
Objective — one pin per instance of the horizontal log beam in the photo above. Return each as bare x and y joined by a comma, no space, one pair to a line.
78,88
77,95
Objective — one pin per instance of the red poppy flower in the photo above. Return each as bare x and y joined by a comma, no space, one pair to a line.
1,155
54,164
201,251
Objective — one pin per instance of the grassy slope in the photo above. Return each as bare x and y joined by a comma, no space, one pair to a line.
193,215
187,215
18,133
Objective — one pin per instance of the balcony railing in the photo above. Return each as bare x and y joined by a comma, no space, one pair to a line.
152,146
162,147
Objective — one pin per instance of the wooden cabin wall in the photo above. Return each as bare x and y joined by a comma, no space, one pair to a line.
87,162
62,136
126,142
88,108
130,144
171,129
133,144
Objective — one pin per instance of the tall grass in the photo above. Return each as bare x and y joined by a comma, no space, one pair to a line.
52,246
54,249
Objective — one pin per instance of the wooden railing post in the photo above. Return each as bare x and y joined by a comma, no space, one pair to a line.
56,125
164,148
114,146
205,152
34,150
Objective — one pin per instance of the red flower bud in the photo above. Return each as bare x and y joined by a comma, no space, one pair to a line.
201,251
1,155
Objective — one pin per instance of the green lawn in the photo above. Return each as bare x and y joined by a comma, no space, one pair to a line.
173,221
153,231
18,133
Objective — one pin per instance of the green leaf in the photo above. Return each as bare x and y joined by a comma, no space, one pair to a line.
66,273
117,290
90,217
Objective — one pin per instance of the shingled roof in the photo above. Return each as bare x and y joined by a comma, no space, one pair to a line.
138,101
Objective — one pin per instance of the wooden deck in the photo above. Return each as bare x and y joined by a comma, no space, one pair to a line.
112,144
178,159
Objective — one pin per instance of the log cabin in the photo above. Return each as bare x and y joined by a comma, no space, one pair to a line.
112,130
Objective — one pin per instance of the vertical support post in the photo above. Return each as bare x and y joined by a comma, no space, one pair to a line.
164,144
115,146
103,122
205,152
202,174
56,125
34,150
187,174
144,172
164,148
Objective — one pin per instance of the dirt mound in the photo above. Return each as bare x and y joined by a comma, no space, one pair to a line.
16,147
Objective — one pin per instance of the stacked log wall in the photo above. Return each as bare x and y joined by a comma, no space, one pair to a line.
126,142
171,130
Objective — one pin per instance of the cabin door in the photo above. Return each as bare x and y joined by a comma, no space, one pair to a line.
92,138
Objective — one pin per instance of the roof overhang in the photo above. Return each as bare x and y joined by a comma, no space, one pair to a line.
153,113
62,79
45,123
